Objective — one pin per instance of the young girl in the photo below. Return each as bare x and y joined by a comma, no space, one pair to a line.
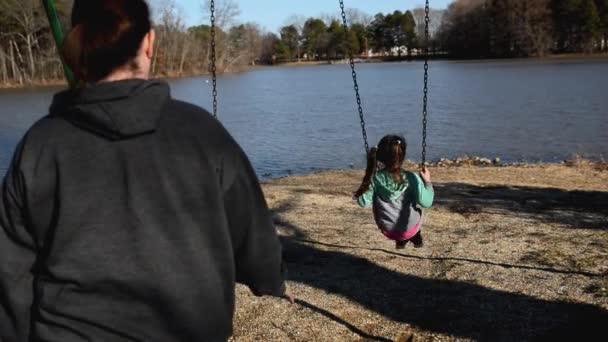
397,195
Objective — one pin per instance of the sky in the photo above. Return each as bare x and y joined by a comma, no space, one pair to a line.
272,14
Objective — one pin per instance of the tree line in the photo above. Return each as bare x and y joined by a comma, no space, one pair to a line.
523,28
28,54
326,38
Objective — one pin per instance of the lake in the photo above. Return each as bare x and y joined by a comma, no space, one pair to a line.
293,120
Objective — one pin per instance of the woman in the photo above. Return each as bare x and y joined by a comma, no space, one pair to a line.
127,215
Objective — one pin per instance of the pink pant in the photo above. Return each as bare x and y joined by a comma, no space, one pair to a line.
402,236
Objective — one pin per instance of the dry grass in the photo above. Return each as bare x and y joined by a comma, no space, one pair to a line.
583,163
513,253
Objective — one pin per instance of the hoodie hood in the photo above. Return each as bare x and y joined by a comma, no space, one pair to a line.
387,187
114,110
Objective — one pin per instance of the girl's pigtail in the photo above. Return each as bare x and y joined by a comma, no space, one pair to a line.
398,154
370,171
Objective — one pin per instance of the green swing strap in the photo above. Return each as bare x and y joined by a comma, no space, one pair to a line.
51,12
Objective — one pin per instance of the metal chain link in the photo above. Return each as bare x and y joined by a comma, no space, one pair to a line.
354,74
426,80
213,58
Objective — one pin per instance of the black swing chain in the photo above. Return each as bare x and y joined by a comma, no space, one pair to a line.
426,80
213,59
354,74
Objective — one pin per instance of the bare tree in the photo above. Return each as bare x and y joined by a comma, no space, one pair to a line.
226,12
25,14
187,42
27,51
435,17
245,45
3,66
254,41
356,16
531,22
172,40
329,18
298,22
14,69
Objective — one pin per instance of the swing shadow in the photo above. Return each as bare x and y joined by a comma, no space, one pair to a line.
340,321
575,209
450,307
462,260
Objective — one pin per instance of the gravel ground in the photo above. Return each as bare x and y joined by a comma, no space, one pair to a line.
514,253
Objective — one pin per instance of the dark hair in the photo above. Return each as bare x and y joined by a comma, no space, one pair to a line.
391,154
109,36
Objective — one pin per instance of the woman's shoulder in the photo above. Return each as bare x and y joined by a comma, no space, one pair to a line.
186,111
45,131
191,119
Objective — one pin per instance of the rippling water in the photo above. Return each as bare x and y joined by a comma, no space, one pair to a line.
303,119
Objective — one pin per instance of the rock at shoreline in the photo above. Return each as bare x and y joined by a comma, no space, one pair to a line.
467,161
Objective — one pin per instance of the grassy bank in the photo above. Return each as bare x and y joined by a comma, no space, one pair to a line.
512,253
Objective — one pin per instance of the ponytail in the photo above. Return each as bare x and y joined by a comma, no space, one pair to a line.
370,172
397,156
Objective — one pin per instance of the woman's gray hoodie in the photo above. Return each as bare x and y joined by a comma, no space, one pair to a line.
128,216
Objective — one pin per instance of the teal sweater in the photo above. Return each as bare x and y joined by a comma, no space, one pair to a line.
385,186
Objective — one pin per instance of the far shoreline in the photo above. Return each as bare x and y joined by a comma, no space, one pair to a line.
594,163
305,63
472,162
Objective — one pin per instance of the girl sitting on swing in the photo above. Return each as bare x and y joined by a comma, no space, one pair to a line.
398,196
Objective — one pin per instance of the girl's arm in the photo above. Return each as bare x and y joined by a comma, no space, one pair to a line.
424,192
366,199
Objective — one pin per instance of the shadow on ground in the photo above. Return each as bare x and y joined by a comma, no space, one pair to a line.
456,308
576,209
